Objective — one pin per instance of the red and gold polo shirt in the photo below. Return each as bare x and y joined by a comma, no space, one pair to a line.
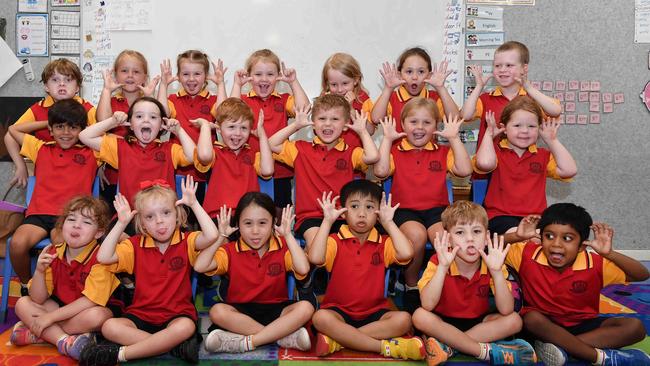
38,112
399,98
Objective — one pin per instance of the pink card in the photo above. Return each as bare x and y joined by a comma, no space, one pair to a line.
594,85
594,106
619,98
570,106
583,96
608,107
582,119
607,97
561,119
559,96
536,84
560,85
594,118
594,97
547,85
584,85
570,119
574,85
570,96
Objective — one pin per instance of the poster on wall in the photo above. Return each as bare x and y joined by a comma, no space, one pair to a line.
32,6
501,2
31,35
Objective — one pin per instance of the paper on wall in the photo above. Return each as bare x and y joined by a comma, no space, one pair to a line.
128,15
9,61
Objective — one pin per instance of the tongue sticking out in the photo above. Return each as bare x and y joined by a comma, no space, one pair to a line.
146,133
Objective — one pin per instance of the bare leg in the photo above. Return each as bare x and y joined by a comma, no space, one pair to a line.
417,234
24,239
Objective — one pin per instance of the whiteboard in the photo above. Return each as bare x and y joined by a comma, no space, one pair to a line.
302,33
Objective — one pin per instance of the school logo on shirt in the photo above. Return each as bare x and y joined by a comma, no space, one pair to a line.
176,264
278,107
535,168
159,156
79,159
579,287
205,109
246,159
274,269
341,164
375,260
483,291
435,166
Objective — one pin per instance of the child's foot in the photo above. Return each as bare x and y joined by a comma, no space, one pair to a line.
404,348
515,352
297,340
437,352
104,354
326,345
222,341
551,354
73,345
188,350
22,336
621,357
305,290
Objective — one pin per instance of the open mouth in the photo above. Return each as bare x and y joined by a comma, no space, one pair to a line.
556,257
264,88
327,132
146,133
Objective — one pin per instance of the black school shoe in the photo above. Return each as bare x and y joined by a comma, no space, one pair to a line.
188,350
103,354
305,289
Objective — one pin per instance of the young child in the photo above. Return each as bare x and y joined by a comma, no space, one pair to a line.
235,166
419,168
518,167
561,282
63,169
162,316
70,288
411,75
264,70
257,310
342,75
62,80
325,164
354,313
455,291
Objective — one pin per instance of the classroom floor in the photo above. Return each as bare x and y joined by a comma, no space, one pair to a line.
630,301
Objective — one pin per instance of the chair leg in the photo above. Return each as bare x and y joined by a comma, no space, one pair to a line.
6,281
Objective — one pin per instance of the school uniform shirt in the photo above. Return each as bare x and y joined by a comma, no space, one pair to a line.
568,297
401,96
255,279
83,276
362,103
420,175
233,174
462,297
163,287
518,184
60,174
118,103
38,112
278,108
157,160
357,272
319,170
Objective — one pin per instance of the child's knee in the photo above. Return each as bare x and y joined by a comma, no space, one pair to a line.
23,303
403,319
97,315
423,318
305,308
110,328
217,313
514,323
534,319
183,326
636,328
322,319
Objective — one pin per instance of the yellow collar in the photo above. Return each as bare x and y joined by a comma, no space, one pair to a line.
584,259
345,233
221,145
340,144
147,241
404,95
405,145
48,101
453,269
498,91
274,244
504,144
253,94
203,93
81,257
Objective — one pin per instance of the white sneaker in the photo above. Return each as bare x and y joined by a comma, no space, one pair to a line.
297,340
550,354
221,341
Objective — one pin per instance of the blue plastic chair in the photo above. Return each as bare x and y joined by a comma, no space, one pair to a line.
479,190
7,269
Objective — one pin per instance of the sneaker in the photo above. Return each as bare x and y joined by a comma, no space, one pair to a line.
515,352
404,348
22,336
73,345
437,352
297,340
621,357
411,300
222,341
100,355
188,350
326,345
305,290
551,354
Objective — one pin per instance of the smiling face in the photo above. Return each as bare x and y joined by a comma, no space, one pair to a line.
470,238
414,71
235,133
361,215
560,244
339,83
65,135
61,87
507,67
192,76
329,124
265,75
130,72
255,226
419,126
522,130
158,218
146,121
80,228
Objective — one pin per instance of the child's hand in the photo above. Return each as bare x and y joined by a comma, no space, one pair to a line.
121,119
223,222
172,125
241,77
441,245
188,187
350,97
493,129
386,211
603,235
219,72
328,204
450,127
149,88
496,252
286,74
198,122
527,228
439,74
259,131
110,83
548,130
302,119
284,229
44,259
359,122
124,212
522,79
40,323
477,72
389,127
166,76
391,76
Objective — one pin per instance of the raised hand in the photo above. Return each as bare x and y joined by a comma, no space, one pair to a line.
44,259
450,128
389,127
391,76
302,117
549,128
148,89
350,97
527,228
522,79
477,72
124,212
166,76
386,211
219,72
223,222
172,125
441,245
287,75
496,252
493,129
188,188
198,122
359,122
284,229
260,131
109,81
121,119
439,74
328,204
602,242
241,77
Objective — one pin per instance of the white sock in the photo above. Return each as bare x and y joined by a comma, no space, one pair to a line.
485,352
247,343
409,288
600,357
120,355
